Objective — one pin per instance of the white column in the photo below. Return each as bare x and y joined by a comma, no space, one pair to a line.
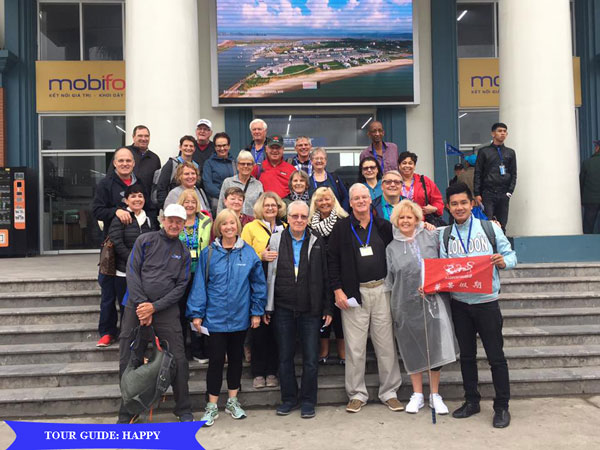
537,104
162,71
419,119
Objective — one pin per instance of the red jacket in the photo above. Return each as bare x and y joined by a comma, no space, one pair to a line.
274,178
433,194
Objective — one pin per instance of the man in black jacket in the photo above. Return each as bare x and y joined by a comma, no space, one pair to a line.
357,269
205,148
300,302
495,176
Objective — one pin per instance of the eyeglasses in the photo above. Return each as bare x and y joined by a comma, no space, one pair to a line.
246,164
271,206
388,182
222,146
368,168
299,216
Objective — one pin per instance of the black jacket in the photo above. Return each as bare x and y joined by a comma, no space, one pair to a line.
487,176
201,156
109,197
123,237
341,257
144,168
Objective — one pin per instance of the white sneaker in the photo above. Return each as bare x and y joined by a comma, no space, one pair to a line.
417,401
436,401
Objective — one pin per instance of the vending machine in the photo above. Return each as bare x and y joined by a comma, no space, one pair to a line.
18,212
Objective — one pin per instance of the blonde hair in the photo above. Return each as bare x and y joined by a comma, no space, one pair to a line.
318,194
190,193
406,205
259,205
185,165
221,218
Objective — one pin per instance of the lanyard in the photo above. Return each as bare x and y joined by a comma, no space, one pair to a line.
500,155
366,244
411,192
189,244
386,208
257,153
375,155
466,249
315,181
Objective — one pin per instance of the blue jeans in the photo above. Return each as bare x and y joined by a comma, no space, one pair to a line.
110,288
289,325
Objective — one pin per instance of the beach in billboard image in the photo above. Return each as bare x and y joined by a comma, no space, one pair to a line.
315,51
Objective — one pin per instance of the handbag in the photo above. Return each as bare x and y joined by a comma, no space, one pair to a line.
108,265
433,218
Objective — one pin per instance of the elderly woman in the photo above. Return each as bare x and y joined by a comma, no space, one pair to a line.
228,296
412,243
420,189
186,177
320,177
251,187
369,174
196,237
325,210
269,211
298,185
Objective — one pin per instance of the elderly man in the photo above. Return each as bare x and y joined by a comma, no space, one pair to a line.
258,129
302,160
299,301
386,153
204,146
274,173
109,203
391,186
357,268
158,272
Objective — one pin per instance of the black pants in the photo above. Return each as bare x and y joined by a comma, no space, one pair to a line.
197,342
167,327
485,319
265,360
220,344
496,205
590,214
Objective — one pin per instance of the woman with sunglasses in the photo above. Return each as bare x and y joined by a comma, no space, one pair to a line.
369,174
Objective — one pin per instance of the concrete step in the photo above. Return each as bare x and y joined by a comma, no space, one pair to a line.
56,352
106,372
549,300
62,284
551,316
49,315
104,399
45,299
31,334
569,269
551,284
545,335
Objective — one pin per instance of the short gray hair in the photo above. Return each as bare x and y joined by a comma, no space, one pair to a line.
297,203
245,154
255,121
318,150
354,187
300,138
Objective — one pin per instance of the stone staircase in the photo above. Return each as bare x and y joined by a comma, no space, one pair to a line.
49,365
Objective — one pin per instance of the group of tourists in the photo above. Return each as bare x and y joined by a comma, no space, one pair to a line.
241,259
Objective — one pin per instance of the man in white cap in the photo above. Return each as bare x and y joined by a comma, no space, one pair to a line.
204,146
158,272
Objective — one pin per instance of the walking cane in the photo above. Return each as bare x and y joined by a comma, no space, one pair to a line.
428,359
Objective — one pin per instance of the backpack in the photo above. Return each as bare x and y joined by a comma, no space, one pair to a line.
142,385
156,176
488,229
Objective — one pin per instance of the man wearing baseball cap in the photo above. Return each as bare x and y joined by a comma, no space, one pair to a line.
158,272
589,181
204,146
274,173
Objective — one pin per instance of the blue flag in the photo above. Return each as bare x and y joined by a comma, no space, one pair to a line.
451,150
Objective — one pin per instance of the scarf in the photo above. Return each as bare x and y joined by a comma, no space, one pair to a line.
324,226
304,196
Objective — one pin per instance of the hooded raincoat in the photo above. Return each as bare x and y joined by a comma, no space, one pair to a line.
404,255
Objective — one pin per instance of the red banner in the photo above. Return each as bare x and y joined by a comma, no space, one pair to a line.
470,274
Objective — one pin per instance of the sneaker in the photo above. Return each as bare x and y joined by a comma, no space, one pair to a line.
234,408
211,413
286,408
394,404
307,412
323,360
105,341
416,402
342,362
259,382
436,402
128,419
354,405
200,358
187,417
272,381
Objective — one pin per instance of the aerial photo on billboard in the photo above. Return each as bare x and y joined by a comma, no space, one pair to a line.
313,52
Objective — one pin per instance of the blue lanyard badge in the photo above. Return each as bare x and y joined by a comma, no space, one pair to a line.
257,153
466,249
376,156
365,249
500,155
387,208
502,167
411,192
190,245
315,181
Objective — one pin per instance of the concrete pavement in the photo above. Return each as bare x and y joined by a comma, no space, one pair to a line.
548,423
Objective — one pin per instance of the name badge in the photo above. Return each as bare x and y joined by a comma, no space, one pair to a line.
194,253
367,250
502,170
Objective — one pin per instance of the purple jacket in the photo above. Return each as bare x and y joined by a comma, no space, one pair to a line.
390,155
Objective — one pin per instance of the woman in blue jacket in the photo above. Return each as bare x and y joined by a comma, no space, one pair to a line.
228,296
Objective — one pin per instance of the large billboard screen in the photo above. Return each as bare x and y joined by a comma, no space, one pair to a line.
313,52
